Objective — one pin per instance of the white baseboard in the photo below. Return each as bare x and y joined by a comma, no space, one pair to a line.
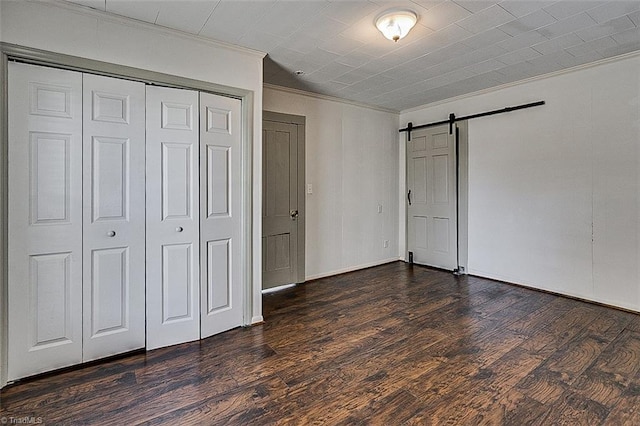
278,288
350,269
588,298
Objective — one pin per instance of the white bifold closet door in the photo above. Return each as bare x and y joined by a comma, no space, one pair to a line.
125,217
173,217
114,216
194,215
220,214
44,219
76,218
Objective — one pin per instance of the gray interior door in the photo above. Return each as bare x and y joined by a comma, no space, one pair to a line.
431,197
283,200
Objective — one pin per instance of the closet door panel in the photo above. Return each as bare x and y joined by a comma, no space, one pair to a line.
172,217
114,216
220,214
44,219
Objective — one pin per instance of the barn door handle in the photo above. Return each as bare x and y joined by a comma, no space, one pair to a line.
294,214
409,197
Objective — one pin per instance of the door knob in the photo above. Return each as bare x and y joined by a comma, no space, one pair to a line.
294,214
179,229
111,234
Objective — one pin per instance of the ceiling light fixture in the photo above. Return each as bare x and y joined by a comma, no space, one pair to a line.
395,24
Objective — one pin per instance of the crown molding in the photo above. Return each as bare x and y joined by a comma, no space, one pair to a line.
131,22
525,81
327,98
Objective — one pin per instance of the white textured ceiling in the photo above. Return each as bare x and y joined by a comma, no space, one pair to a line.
457,47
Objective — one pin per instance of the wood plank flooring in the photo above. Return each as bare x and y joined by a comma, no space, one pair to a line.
390,345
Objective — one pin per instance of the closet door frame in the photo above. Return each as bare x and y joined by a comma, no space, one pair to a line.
13,52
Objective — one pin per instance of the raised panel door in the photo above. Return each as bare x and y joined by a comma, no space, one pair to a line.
221,284
431,197
280,204
173,217
114,216
44,219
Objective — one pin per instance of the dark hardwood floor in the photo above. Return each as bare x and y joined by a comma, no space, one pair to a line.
388,345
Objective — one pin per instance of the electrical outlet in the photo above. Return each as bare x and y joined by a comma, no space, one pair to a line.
379,208
309,188
385,244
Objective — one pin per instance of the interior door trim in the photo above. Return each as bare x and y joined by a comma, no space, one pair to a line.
300,121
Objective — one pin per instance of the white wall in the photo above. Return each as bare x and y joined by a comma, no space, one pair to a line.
72,30
554,191
352,163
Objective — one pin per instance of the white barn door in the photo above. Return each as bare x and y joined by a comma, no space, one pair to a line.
221,296
44,219
173,259
431,197
114,216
